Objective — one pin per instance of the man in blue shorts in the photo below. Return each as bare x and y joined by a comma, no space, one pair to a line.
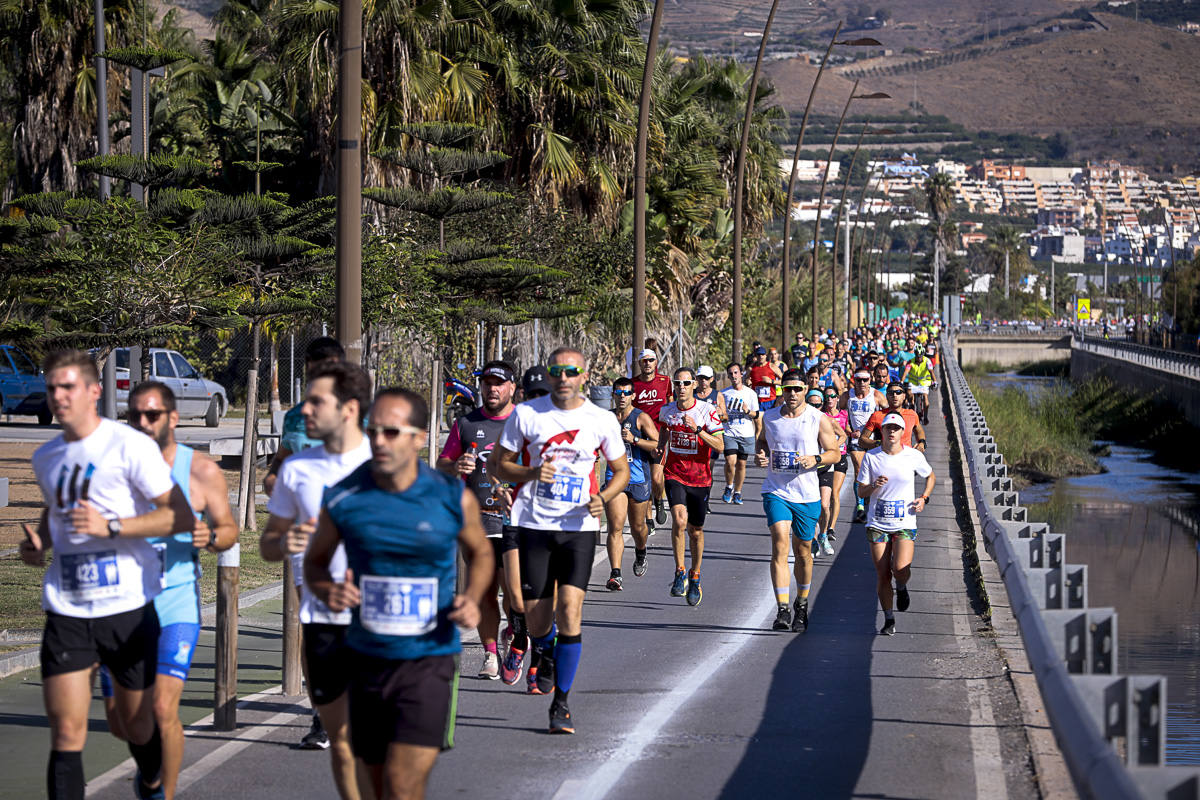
640,435
401,523
795,440
152,411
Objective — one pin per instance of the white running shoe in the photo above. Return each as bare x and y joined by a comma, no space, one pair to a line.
491,666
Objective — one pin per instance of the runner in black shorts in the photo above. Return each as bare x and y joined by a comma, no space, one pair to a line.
557,509
640,435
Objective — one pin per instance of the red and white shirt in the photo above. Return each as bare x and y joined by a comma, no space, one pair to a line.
688,456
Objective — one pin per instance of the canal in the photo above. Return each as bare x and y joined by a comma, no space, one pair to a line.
1136,527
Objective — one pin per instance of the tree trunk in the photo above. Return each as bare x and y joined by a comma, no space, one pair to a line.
246,508
274,404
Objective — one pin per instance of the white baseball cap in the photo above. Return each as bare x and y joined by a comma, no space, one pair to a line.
704,371
647,353
894,419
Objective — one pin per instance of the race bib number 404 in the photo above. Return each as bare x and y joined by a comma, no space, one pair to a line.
565,491
398,606
90,576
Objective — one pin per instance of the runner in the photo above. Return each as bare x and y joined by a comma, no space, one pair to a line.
152,411
887,481
651,391
96,476
465,456
763,379
913,435
795,440
401,525
861,402
556,512
333,410
831,478
294,438
693,430
740,430
918,374
640,435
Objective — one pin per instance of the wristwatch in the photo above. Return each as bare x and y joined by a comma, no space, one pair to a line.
114,528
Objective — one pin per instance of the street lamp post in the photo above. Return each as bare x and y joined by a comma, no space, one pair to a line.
639,185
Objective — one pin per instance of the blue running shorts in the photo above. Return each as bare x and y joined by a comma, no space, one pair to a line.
179,616
803,516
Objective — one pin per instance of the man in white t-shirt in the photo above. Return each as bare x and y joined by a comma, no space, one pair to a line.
107,490
886,483
556,513
334,407
741,419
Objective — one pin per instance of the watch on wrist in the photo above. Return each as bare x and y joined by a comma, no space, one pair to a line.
114,528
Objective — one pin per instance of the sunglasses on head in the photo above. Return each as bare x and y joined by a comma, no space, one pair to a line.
389,432
559,370
683,383
152,416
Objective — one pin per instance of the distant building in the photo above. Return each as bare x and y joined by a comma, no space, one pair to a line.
1060,244
990,170
955,169
808,171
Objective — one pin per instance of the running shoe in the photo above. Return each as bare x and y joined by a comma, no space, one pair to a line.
660,512
737,498
490,669
800,616
783,620
679,585
506,637
531,680
826,548
902,598
545,675
614,581
316,738
510,667
727,497
860,513
560,718
889,628
832,536
639,566
143,792
694,593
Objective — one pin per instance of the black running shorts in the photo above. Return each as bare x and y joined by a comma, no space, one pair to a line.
695,498
508,539
409,701
554,557
126,643
326,654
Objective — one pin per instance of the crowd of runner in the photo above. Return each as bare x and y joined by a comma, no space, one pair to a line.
374,534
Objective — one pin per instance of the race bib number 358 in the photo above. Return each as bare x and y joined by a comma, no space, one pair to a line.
785,461
398,606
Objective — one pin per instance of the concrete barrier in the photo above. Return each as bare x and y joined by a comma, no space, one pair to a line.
1110,727
1174,377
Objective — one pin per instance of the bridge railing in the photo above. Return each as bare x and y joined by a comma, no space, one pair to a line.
1110,727
1185,364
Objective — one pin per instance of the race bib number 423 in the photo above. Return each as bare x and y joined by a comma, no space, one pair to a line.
90,576
398,606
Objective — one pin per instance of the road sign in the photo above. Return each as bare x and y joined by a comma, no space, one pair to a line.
1083,308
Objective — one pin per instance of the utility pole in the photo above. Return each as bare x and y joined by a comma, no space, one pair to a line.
639,188
1005,274
349,181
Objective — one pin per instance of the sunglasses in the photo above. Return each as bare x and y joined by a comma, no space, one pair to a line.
559,370
622,392
390,433
151,416
793,388
862,379
683,383
897,391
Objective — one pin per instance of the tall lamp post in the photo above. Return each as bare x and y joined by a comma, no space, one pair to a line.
639,184
349,180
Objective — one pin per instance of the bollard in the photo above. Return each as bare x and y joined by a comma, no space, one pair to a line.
225,661
291,631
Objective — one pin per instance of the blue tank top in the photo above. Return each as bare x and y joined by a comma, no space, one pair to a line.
639,459
402,547
180,561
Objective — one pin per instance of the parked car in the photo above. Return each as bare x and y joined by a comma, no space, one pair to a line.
195,396
22,386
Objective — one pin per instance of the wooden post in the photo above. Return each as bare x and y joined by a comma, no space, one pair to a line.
225,662
291,630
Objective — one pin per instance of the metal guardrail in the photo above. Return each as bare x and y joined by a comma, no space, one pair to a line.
1171,361
1110,727
1037,330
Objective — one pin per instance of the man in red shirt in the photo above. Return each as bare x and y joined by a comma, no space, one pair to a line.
651,391
763,377
692,432
913,435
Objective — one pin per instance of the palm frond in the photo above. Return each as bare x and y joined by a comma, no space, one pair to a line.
145,58
154,170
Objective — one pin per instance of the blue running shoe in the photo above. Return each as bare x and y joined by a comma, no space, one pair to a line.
679,585
728,496
143,792
737,498
694,592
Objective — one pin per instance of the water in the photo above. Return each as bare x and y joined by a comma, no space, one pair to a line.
1137,527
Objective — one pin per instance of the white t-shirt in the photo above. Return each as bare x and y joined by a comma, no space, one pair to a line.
740,404
789,438
860,409
890,507
538,430
119,471
302,482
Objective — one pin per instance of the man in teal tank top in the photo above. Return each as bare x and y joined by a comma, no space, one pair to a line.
401,523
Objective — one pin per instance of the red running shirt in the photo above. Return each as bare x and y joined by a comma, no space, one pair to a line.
688,456
650,396
762,380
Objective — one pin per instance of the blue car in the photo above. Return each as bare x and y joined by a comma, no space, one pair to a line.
22,387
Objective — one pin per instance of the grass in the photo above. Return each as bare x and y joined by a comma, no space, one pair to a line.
1034,369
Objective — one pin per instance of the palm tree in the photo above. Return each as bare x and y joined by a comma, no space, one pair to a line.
1006,241
939,194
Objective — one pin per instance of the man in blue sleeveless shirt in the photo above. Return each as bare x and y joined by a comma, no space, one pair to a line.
640,434
401,523
152,411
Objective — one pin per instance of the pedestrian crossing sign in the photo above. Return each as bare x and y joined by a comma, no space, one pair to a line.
1083,308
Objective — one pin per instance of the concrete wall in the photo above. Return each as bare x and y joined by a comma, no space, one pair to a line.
1009,351
1182,392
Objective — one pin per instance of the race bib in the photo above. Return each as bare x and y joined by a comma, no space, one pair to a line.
785,461
890,509
90,576
160,550
563,493
684,442
398,606
763,392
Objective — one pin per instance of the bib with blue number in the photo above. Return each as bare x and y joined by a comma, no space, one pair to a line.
398,606
890,509
763,392
564,493
785,461
90,576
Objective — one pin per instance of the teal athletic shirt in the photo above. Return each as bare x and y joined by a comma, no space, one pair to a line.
402,547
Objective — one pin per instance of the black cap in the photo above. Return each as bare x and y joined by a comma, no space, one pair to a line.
536,379
497,371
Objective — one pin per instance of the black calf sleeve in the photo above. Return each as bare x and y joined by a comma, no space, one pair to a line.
148,757
520,632
64,775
